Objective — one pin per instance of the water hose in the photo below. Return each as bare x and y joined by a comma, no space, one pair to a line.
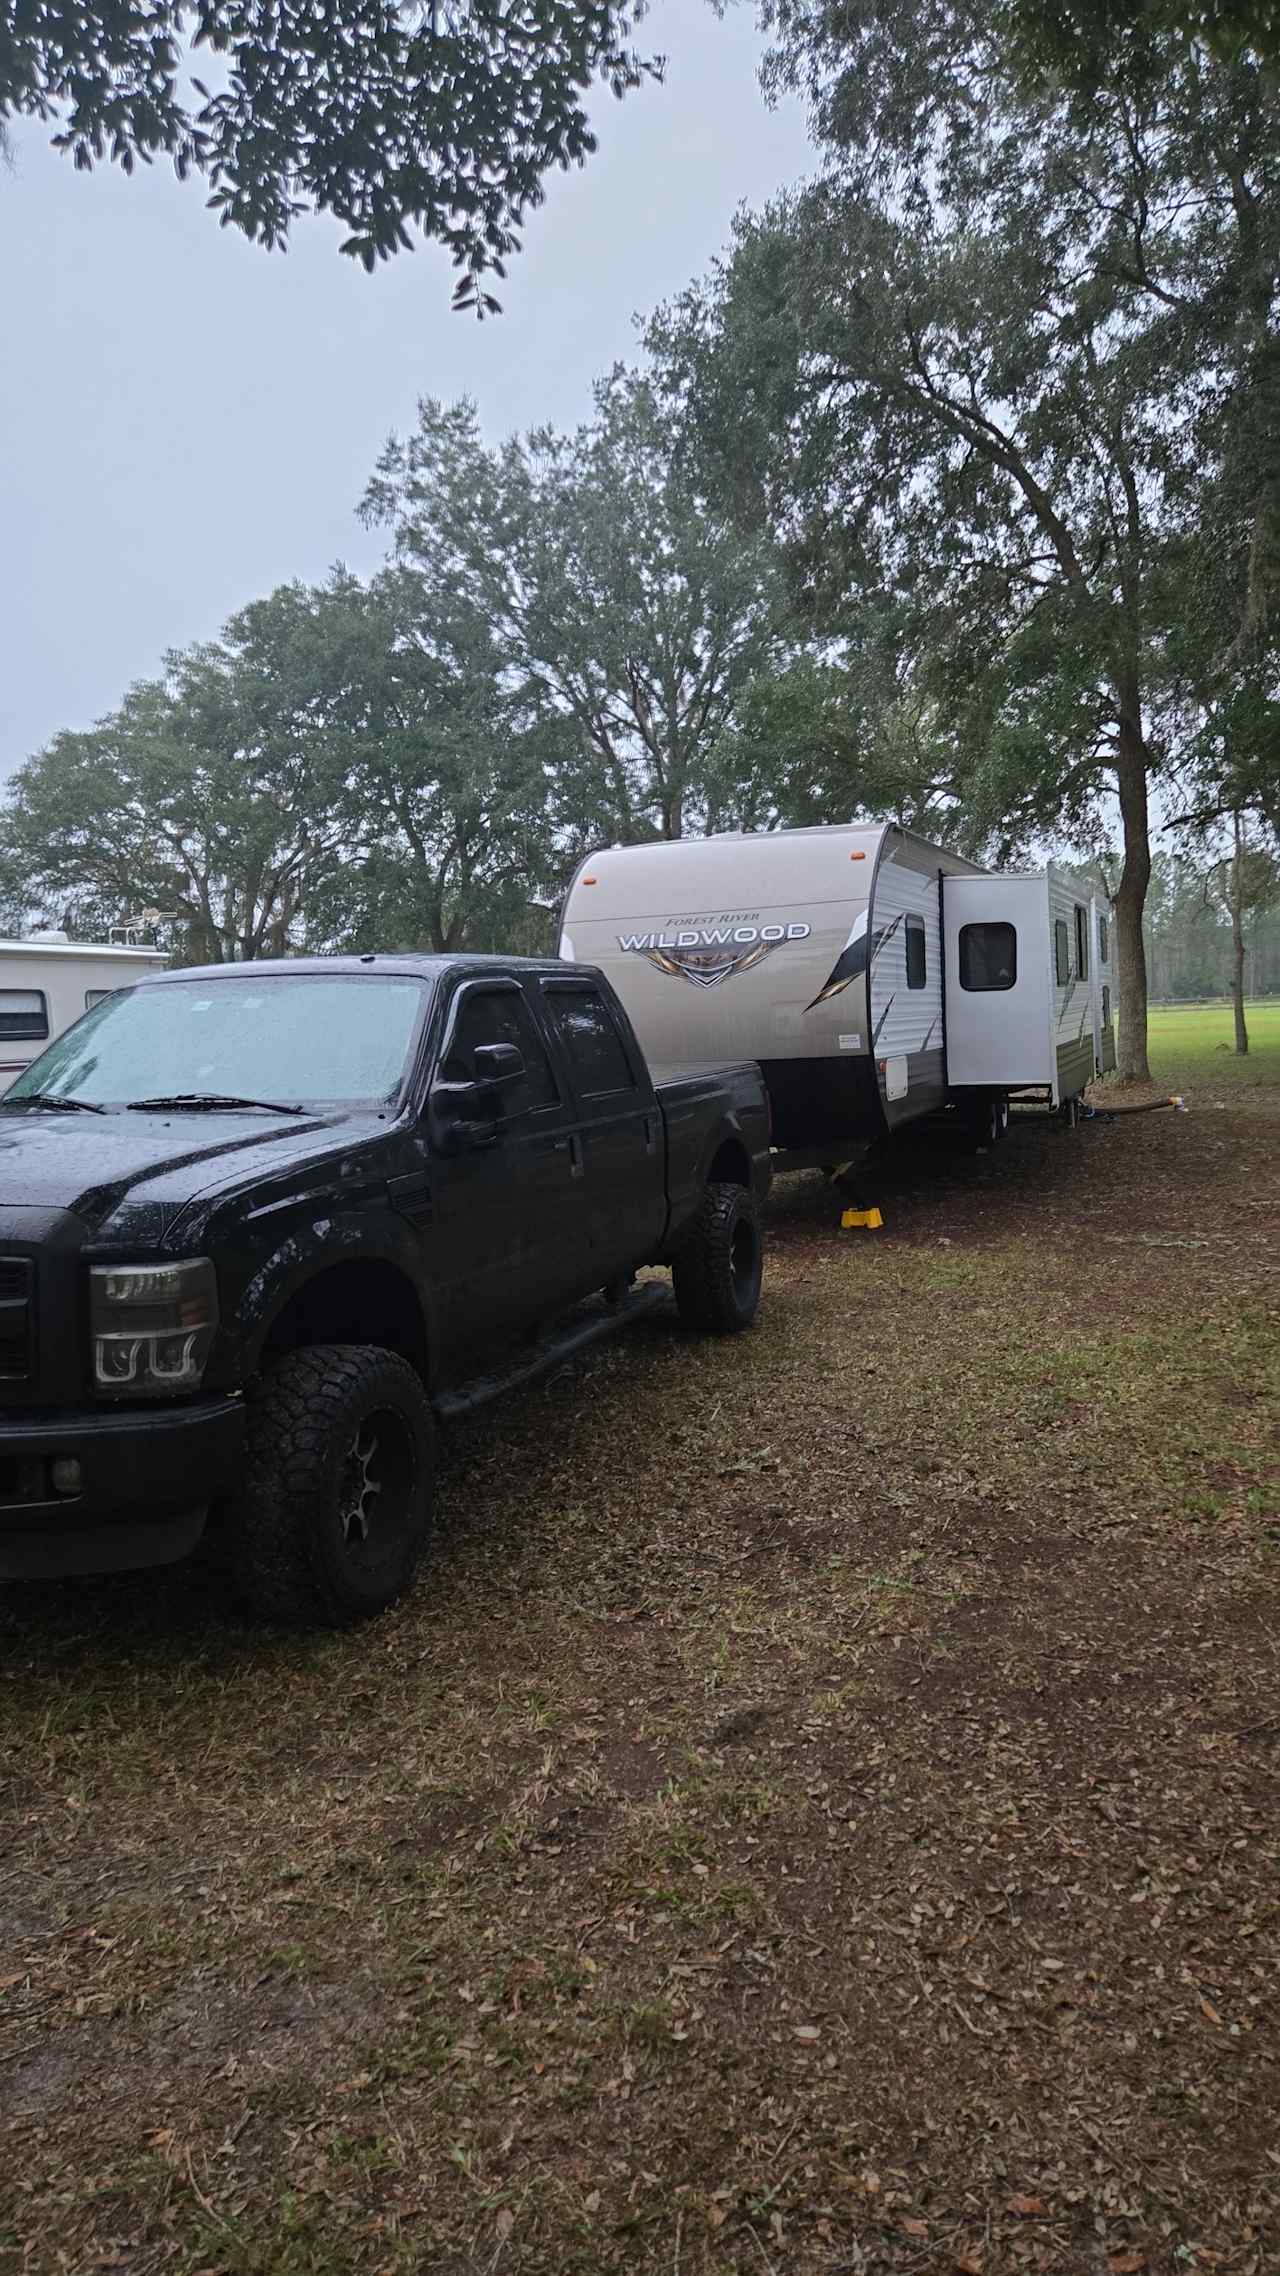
1147,1106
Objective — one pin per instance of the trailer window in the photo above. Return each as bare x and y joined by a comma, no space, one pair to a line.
24,1015
915,952
1061,953
1106,1005
94,996
1082,941
988,957
592,1041
1103,938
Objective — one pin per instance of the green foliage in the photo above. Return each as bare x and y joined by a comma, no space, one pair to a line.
443,119
1188,926
333,771
632,615
990,367
1081,40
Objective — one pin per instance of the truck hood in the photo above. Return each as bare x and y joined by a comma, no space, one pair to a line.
92,1164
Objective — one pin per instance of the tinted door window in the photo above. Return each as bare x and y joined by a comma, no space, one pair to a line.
501,1015
592,1041
988,956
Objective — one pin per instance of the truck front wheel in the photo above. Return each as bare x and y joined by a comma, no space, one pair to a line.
337,1496
718,1272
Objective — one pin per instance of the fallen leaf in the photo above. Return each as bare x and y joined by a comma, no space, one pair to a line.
1027,2206
916,2228
505,2222
806,2031
968,2264
871,2183
1207,2008
1126,2263
592,2203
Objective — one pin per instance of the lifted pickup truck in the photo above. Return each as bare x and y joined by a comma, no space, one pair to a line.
260,1224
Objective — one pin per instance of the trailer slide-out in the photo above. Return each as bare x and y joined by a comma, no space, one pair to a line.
876,978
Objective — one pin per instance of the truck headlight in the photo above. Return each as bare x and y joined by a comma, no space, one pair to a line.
153,1326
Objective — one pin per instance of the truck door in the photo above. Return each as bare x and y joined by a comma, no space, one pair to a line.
509,1239
621,1126
997,1005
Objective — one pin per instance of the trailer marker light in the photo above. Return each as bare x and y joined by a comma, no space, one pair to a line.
857,857
588,881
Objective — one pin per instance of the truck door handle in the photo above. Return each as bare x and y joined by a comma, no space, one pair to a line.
650,1139
572,1146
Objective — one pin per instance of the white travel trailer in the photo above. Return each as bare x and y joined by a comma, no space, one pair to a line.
46,984
876,978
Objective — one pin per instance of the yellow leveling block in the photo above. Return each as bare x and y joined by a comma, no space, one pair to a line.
871,1218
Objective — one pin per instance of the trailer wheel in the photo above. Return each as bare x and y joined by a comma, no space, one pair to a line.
336,1502
718,1272
986,1121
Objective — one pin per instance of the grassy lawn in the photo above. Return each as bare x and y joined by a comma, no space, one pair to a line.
1196,1043
817,1812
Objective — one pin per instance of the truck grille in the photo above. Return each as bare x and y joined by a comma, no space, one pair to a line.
15,1319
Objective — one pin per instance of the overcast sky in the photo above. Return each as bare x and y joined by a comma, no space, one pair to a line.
188,420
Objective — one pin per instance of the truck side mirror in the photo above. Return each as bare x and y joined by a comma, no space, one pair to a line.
467,1116
498,1066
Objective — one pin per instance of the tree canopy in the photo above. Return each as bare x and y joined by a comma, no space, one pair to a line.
444,119
1082,39
631,612
991,368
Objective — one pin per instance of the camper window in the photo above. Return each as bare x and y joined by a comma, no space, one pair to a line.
988,957
915,952
1102,940
24,1015
592,1040
94,996
1061,953
1082,941
1106,1005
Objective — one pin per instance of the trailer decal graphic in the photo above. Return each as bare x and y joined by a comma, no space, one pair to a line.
853,960
707,954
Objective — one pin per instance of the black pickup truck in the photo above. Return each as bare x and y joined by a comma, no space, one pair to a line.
260,1224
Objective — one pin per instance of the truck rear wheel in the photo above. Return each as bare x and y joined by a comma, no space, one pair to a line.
718,1273
337,1497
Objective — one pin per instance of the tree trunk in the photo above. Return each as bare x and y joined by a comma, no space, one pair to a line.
1131,773
1237,939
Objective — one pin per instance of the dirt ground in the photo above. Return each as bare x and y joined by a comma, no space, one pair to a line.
816,1813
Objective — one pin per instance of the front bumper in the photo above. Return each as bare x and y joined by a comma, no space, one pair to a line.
147,1478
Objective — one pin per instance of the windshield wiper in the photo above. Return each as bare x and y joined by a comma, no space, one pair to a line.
207,1102
53,1100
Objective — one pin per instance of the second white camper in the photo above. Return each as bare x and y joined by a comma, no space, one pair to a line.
876,978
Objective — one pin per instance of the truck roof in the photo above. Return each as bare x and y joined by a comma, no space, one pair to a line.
406,963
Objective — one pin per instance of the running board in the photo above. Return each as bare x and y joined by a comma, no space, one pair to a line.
580,1329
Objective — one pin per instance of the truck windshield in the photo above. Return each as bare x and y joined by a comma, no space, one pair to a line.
307,1039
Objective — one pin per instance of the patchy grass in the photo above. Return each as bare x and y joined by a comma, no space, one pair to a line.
817,1812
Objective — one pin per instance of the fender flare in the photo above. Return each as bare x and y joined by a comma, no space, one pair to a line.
307,1254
